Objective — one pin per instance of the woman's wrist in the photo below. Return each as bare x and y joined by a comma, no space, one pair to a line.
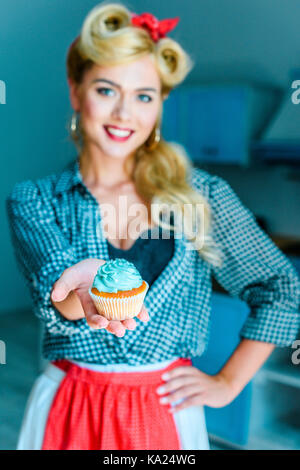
233,384
243,364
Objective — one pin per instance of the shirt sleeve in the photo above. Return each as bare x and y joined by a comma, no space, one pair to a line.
254,269
42,253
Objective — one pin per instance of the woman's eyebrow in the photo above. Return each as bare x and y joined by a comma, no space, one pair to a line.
119,86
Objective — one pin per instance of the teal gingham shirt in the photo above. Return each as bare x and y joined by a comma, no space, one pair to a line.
54,223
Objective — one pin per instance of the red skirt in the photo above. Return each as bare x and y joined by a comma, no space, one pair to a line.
95,410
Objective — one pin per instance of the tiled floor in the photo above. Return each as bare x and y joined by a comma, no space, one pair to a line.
20,332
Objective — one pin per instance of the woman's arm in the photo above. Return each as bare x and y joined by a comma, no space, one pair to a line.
43,253
254,270
257,272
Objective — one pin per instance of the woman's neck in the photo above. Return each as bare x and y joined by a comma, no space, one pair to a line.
102,171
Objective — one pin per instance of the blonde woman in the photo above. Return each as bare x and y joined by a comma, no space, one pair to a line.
131,384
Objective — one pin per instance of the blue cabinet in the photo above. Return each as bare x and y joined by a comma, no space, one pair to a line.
231,422
216,123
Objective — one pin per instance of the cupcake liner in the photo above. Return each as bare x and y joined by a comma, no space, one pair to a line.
119,308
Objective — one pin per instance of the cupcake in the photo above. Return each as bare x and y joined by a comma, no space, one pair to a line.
118,290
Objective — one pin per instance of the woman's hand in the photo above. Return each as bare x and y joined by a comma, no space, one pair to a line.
196,388
79,278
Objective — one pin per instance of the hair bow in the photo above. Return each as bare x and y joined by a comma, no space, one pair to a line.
157,29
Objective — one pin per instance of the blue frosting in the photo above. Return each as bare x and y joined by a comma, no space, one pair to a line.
117,275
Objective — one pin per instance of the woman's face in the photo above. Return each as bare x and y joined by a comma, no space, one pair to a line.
119,105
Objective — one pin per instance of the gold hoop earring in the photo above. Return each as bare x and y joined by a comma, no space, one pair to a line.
152,143
74,126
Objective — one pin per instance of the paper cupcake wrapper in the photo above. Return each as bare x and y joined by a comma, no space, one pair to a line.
119,308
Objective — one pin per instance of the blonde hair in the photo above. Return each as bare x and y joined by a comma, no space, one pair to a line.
160,175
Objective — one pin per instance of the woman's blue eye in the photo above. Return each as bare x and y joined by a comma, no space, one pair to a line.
109,92
147,100
104,91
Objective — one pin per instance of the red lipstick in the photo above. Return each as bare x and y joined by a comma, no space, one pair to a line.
118,138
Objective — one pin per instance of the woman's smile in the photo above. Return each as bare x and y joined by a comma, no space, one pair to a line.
119,134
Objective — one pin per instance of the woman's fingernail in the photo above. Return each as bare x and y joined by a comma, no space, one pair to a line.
165,376
163,400
57,294
53,295
160,390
